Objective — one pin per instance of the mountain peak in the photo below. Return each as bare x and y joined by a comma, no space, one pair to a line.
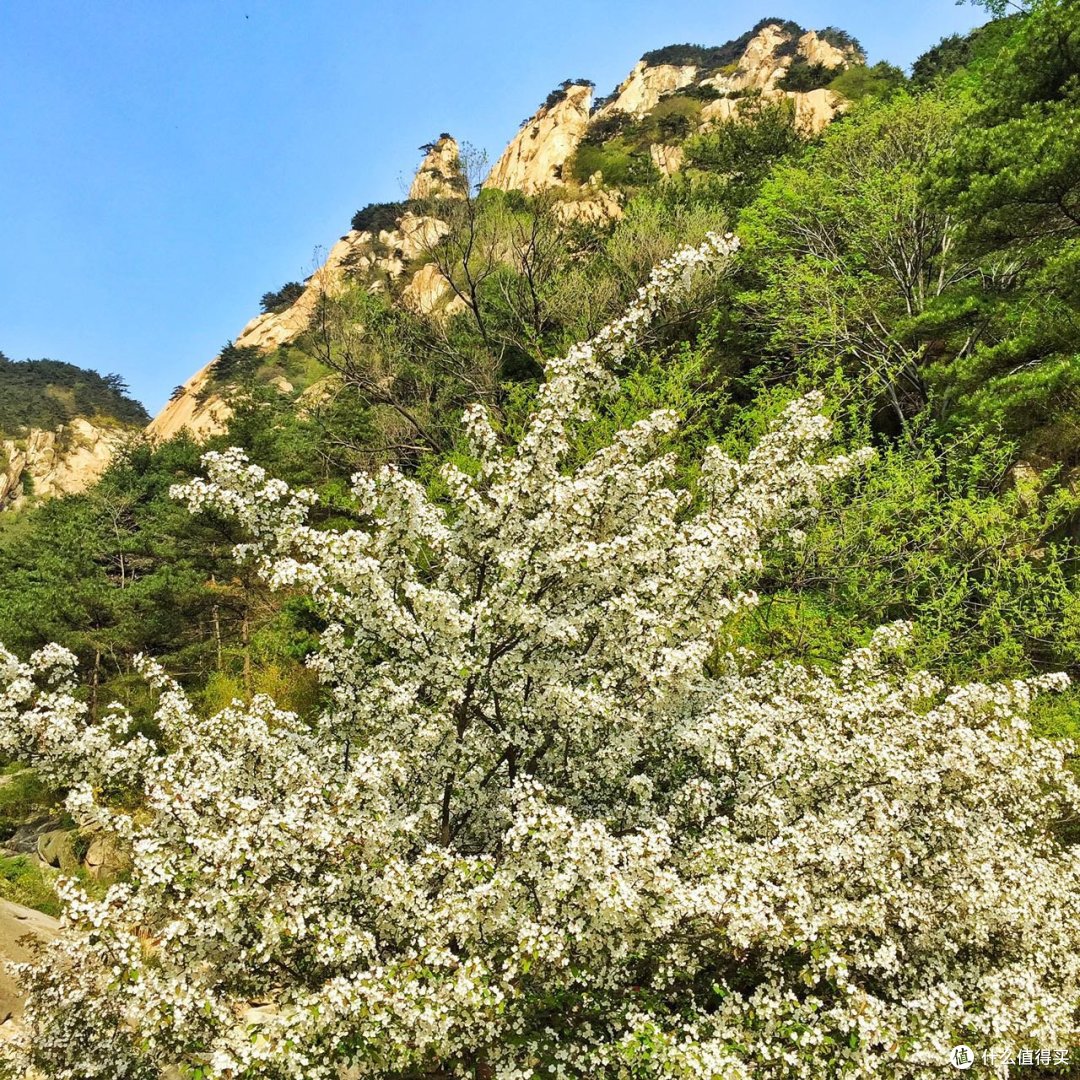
440,174
535,157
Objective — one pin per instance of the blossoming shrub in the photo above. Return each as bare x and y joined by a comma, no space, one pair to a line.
548,827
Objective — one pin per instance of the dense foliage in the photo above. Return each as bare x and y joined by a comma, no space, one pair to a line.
916,265
803,76
47,393
375,217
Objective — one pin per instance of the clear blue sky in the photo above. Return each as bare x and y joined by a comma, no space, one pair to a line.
165,162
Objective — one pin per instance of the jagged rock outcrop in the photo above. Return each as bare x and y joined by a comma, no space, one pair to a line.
61,462
765,62
204,412
596,206
428,292
814,109
667,159
643,88
194,409
768,56
816,50
535,158
439,175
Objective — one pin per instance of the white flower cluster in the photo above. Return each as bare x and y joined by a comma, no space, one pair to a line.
547,827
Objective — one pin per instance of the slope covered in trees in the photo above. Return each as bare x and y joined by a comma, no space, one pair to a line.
915,266
47,393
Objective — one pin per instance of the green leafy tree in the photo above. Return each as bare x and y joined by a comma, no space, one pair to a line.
743,151
1013,183
847,251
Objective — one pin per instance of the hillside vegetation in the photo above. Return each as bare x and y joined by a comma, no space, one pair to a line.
917,262
47,393
914,272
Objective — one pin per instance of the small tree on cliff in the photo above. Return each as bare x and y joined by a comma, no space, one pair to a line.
547,827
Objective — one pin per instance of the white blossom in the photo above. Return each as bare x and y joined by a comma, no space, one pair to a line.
550,825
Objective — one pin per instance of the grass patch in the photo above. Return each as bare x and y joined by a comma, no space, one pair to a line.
22,882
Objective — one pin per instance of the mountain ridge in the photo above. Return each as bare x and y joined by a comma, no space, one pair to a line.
539,158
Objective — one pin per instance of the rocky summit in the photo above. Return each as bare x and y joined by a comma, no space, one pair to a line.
705,86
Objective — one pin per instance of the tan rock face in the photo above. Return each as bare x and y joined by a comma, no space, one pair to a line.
61,462
57,848
814,109
760,68
763,64
536,155
200,416
105,857
668,159
646,85
19,927
719,111
439,175
816,51
597,208
426,290
360,253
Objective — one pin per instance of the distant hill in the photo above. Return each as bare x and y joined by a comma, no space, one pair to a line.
60,426
47,393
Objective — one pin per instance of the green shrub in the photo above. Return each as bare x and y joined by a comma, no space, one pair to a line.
375,217
284,298
671,120
603,128
619,163
22,795
742,151
559,92
859,82
701,93
803,76
236,362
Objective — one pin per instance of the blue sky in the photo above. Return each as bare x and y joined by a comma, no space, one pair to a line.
163,164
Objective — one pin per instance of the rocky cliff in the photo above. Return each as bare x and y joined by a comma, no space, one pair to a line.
768,56
440,175
377,258
536,156
646,85
61,462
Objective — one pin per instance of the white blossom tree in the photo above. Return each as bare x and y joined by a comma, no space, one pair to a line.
549,826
